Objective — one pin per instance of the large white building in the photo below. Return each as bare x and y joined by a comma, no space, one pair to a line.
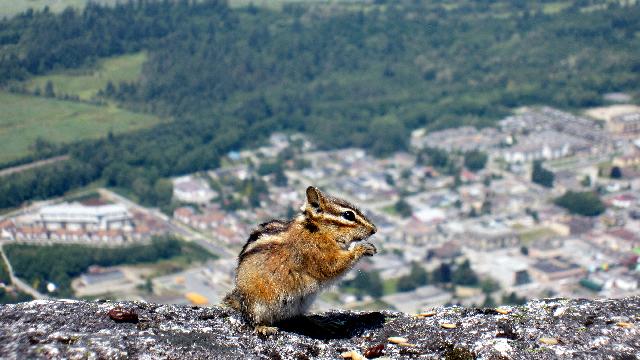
543,145
76,216
190,189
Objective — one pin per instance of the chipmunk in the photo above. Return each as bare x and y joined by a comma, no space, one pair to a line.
284,264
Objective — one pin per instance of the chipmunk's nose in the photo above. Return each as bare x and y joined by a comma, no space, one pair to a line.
374,229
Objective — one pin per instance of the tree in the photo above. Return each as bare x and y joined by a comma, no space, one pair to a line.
163,190
403,208
475,160
585,203
513,299
417,277
148,286
109,89
368,282
43,147
541,176
48,89
616,172
280,178
464,275
442,274
142,189
434,157
388,178
489,285
489,302
457,181
486,207
387,134
267,168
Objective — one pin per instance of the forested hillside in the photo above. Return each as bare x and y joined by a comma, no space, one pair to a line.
347,75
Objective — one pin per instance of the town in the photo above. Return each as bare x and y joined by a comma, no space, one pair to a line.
544,204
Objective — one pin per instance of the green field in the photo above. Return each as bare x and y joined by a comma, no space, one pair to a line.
9,8
86,83
25,118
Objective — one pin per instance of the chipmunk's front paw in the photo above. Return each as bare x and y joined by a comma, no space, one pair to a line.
367,249
264,330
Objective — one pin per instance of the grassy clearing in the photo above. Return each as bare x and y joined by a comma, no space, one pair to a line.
274,4
391,210
87,82
390,286
555,7
534,235
25,118
9,8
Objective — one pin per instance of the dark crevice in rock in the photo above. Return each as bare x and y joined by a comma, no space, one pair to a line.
334,326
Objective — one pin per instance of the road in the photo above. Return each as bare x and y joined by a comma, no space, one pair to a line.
35,164
18,283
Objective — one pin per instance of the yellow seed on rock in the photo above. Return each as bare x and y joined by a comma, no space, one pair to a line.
426,314
503,311
448,326
407,345
353,355
623,324
397,340
548,341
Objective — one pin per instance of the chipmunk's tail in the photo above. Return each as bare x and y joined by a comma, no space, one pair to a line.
233,300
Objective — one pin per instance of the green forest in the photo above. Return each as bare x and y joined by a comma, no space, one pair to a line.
350,75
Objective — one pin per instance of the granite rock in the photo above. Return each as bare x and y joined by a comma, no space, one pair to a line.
541,329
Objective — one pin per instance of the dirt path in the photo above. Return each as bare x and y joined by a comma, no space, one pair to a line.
35,164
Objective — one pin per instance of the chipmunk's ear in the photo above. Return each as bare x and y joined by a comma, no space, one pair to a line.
315,197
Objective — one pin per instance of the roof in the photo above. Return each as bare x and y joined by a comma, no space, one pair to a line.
77,209
104,276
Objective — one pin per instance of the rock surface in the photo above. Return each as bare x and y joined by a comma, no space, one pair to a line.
542,329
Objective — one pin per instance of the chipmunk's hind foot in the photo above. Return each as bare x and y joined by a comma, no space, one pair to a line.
264,330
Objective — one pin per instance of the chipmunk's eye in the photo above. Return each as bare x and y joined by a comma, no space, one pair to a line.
349,215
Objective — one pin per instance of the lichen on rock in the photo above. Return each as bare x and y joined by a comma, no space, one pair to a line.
541,329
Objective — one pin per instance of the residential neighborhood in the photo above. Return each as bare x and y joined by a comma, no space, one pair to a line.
507,226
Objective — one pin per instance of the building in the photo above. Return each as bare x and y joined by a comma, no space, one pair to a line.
626,124
544,145
465,138
620,119
557,268
489,236
192,190
629,159
76,216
